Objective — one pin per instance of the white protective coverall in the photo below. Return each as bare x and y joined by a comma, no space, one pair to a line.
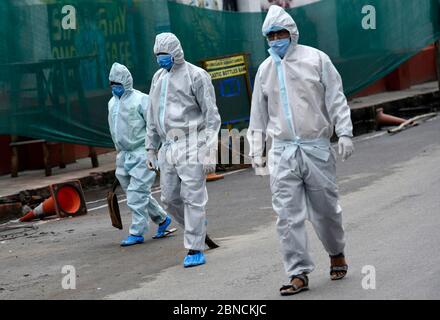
128,128
297,101
183,116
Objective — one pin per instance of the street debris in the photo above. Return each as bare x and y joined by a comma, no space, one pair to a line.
412,122
10,232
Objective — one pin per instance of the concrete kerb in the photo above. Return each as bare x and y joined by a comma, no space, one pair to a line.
396,104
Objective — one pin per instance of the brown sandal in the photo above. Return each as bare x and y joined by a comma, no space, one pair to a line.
341,269
291,289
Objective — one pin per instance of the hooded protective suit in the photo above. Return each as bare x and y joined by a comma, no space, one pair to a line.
128,128
297,102
183,116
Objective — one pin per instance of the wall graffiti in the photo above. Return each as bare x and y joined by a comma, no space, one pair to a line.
103,31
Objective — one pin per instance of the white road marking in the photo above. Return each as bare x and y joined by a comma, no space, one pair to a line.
371,137
233,172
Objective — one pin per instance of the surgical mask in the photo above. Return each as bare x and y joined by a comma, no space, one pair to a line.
280,46
118,90
165,61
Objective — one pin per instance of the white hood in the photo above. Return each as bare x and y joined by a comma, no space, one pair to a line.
277,18
168,43
120,74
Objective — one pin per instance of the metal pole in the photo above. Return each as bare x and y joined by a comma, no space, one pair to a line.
14,158
94,157
62,156
437,60
46,160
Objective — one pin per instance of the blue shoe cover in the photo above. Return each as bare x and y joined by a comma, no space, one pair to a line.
162,228
194,260
131,240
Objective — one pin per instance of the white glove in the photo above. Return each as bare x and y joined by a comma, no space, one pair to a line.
210,162
209,168
345,146
152,160
258,164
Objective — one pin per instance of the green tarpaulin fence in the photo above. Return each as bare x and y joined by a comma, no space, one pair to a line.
53,81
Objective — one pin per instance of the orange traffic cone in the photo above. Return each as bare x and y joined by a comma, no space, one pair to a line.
45,209
214,177
383,119
66,199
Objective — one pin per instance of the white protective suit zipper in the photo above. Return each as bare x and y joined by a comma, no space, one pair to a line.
115,119
163,102
283,90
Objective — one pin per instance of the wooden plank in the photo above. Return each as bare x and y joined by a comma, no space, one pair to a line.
14,158
93,156
46,160
22,143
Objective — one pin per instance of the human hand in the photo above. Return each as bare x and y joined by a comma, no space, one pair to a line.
152,160
259,165
345,146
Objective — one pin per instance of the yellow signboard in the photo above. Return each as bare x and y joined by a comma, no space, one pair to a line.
226,73
224,63
231,81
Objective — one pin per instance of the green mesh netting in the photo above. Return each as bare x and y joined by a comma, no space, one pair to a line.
53,82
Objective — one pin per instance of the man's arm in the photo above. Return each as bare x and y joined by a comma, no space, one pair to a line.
152,138
335,99
259,118
205,95
143,107
110,124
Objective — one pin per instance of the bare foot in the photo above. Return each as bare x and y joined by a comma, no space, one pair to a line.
296,286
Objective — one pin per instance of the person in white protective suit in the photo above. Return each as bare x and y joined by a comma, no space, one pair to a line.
127,122
297,101
184,119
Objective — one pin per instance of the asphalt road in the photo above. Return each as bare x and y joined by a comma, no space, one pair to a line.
390,195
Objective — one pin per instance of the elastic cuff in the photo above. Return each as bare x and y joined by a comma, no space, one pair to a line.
163,221
340,255
345,134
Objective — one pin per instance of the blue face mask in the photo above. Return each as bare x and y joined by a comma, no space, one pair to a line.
280,46
165,61
118,90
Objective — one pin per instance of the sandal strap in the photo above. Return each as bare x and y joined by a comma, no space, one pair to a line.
287,286
303,277
341,255
338,268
